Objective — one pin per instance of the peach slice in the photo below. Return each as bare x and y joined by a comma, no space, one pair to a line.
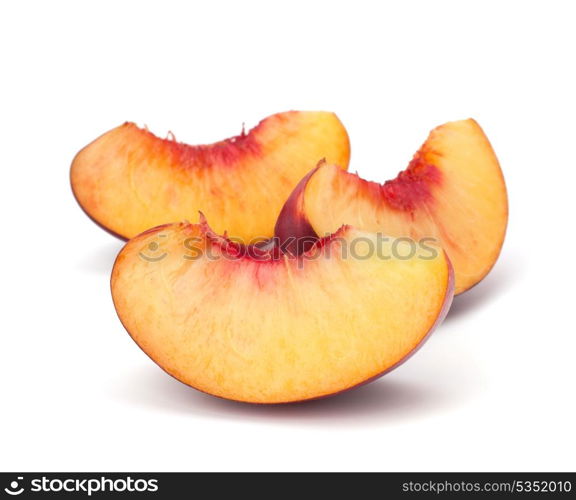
256,325
452,191
129,180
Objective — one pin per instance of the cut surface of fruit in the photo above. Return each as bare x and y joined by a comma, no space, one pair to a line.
259,326
452,191
128,180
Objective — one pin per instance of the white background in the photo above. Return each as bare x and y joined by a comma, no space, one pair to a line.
493,389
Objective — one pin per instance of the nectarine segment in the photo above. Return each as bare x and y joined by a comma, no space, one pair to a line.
275,328
452,191
129,180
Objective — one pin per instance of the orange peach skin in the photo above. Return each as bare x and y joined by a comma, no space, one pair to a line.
453,191
129,180
270,328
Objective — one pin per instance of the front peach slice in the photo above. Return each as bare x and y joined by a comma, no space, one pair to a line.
260,326
453,191
129,180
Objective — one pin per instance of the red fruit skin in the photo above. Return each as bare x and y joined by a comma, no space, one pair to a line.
293,231
411,187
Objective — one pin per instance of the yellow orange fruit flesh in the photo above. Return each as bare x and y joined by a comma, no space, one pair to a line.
128,180
274,328
453,191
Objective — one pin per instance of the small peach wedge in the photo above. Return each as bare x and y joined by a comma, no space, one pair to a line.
452,191
129,180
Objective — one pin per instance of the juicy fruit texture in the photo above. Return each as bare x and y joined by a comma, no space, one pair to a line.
452,191
259,326
128,180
